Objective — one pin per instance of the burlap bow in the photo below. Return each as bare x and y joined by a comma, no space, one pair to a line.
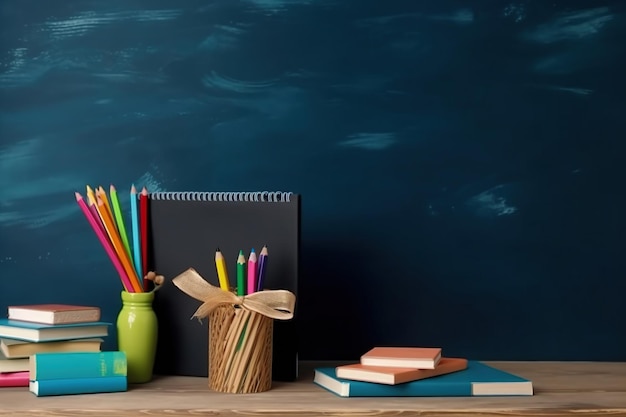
275,304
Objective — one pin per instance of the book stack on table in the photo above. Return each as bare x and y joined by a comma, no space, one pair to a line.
55,349
418,372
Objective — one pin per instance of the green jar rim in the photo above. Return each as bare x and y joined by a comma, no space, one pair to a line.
138,297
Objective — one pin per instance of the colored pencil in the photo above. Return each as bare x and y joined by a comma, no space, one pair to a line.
252,271
119,220
91,196
96,216
105,243
135,230
262,265
143,205
119,247
241,271
103,195
222,273
104,217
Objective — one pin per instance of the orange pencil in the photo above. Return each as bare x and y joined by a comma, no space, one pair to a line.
104,215
118,246
103,195
143,210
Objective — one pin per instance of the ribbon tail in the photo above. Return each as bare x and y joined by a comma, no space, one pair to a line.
276,304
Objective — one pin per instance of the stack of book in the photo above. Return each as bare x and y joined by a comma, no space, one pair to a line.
418,372
54,332
66,373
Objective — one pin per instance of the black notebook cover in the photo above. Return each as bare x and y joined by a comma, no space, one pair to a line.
186,228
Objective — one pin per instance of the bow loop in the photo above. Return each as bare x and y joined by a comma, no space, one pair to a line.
275,304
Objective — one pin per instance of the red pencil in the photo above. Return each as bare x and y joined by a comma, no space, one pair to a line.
143,210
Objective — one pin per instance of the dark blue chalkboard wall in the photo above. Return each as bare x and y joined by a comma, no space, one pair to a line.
461,163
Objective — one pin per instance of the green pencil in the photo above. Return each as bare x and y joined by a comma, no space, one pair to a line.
119,219
241,272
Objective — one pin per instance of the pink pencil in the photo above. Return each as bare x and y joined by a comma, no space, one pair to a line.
252,271
96,216
105,243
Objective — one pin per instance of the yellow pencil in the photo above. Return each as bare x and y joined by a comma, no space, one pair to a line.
222,274
118,246
90,196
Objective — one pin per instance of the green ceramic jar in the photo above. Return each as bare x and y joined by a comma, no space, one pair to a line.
137,334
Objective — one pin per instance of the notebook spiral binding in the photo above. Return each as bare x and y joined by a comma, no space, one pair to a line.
257,196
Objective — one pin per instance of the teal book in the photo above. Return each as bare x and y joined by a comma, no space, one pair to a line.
478,379
70,365
78,386
37,332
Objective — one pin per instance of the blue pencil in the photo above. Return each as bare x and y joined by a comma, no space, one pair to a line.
262,263
134,215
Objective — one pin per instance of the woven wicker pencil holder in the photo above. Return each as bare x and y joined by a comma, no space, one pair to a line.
240,350
240,332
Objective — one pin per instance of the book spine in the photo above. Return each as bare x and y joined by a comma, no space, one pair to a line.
78,386
24,350
63,365
422,389
14,379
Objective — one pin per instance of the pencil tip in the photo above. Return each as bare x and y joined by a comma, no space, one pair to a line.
111,187
133,190
78,196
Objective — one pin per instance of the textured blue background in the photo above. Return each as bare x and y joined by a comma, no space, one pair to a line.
461,163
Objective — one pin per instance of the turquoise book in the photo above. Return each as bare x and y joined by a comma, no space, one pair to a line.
478,379
37,332
78,386
69,365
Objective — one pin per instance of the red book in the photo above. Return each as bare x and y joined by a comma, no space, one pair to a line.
143,216
403,357
54,313
392,376
14,379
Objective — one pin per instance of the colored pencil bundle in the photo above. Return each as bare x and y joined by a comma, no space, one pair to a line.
247,283
107,222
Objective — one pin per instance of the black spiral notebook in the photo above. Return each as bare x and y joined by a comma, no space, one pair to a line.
185,230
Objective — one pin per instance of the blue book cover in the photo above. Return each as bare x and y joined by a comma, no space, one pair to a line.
63,365
38,332
478,379
78,386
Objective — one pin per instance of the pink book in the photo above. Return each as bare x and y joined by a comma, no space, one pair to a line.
14,379
393,376
403,357
54,313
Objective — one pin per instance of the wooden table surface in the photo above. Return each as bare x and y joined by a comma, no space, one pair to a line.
561,389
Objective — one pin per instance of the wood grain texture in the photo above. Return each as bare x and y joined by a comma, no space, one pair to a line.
561,389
